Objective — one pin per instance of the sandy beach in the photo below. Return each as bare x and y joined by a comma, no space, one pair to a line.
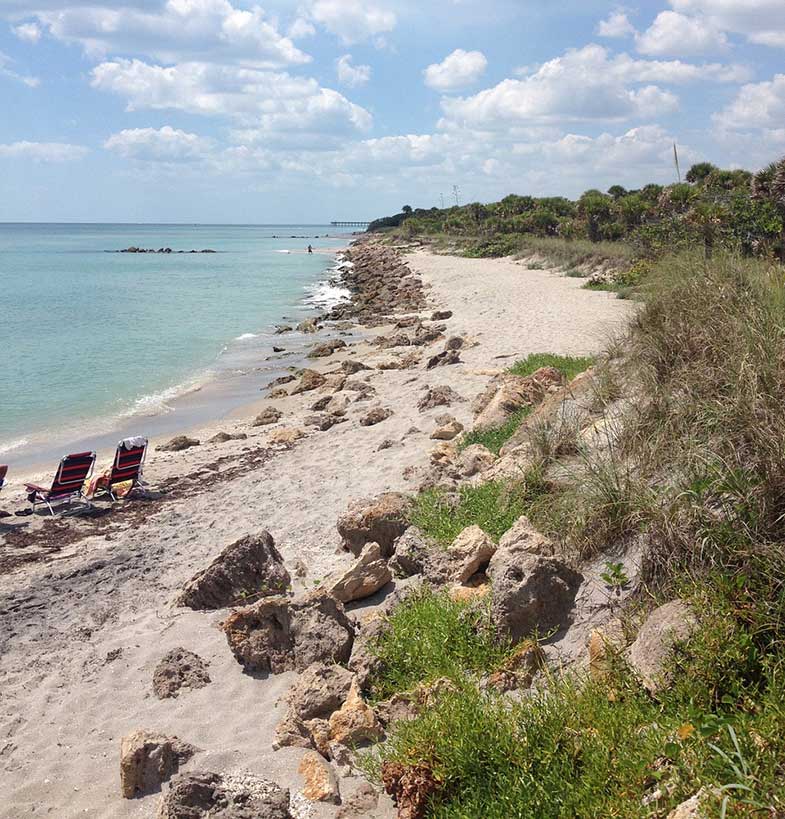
86,603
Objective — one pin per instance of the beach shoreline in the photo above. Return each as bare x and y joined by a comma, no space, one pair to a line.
87,608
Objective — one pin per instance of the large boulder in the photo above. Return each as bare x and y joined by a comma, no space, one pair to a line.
508,394
179,669
207,795
321,689
148,759
364,577
650,656
248,568
309,380
472,551
530,593
278,634
380,520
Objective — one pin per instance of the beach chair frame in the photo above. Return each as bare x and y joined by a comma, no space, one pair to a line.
3,473
121,471
68,484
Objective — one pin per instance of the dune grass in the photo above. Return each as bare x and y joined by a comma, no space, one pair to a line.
494,438
569,366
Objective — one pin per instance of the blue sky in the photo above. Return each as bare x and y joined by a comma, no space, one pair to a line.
305,111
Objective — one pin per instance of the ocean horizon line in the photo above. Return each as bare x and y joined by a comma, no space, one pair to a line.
172,224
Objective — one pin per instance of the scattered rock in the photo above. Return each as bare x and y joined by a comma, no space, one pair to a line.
443,359
248,568
441,315
321,689
530,593
281,380
179,669
375,416
321,783
177,444
278,392
286,436
223,437
519,669
327,348
307,326
278,634
380,520
361,803
473,550
650,654
355,721
283,328
309,380
691,809
438,397
365,577
269,415
474,460
323,421
412,788
207,795
387,443
523,537
148,759
364,662
447,430
352,367
508,394
278,349
454,343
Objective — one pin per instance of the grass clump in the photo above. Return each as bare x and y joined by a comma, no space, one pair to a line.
493,506
568,365
494,438
431,636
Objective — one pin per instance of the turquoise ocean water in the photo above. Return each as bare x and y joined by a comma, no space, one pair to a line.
95,342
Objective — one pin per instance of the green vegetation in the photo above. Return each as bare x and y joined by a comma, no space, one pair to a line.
431,636
568,366
695,469
494,438
493,506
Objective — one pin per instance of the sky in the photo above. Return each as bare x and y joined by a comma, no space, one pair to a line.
305,111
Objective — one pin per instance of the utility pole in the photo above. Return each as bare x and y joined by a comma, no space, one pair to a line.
456,192
676,160
441,196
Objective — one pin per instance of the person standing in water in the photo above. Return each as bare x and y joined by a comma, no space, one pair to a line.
310,249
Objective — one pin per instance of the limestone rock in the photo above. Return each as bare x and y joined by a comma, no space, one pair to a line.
443,359
278,634
223,437
355,721
454,343
447,430
309,380
365,577
650,654
248,568
292,732
364,662
523,537
441,315
508,394
474,460
473,550
327,348
179,669
380,520
321,689
208,795
530,593
269,415
352,367
375,416
308,326
438,397
321,783
473,591
177,444
286,436
148,759
691,809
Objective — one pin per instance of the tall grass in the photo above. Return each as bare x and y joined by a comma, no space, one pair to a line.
568,365
494,438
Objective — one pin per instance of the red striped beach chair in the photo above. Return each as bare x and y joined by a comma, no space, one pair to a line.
67,486
3,473
127,466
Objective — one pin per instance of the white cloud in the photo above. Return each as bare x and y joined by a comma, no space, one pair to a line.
6,71
352,20
757,105
583,84
616,26
165,144
180,30
27,32
457,70
300,29
760,21
351,75
676,34
43,151
262,101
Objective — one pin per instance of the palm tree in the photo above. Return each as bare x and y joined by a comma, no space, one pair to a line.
769,184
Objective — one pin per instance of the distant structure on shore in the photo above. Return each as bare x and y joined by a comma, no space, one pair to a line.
350,224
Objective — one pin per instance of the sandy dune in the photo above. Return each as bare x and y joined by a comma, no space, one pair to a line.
83,628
